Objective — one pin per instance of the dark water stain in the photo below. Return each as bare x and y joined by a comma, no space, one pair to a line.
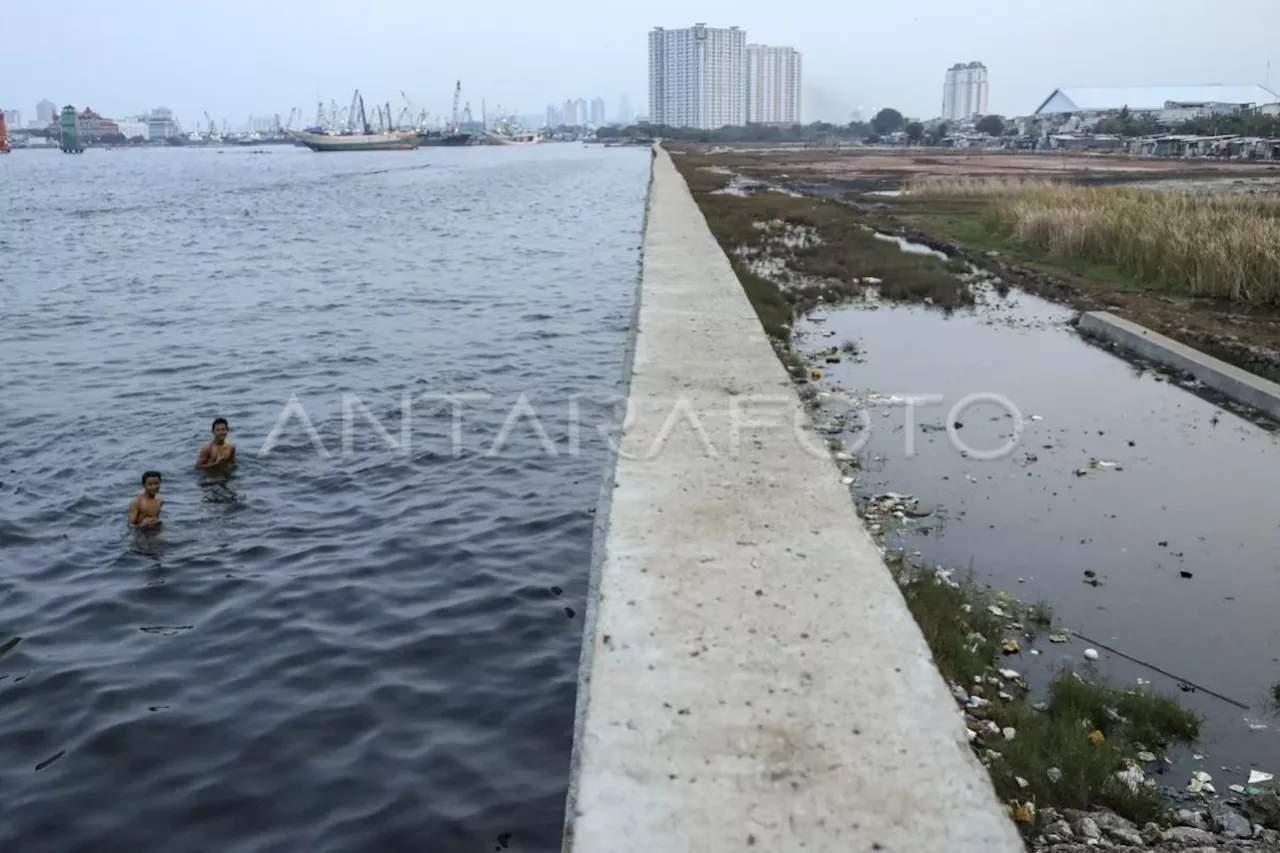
1142,512
328,650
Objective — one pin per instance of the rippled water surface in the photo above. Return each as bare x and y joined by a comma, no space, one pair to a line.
366,638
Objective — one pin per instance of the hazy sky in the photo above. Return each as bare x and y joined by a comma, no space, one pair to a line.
236,57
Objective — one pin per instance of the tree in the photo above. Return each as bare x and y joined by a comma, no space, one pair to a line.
608,132
991,125
888,121
915,131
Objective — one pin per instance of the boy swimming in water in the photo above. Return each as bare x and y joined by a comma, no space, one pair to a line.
218,451
144,510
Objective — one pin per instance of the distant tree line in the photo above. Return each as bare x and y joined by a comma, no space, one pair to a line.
886,122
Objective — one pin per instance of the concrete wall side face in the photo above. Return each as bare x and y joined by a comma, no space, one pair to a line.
756,678
600,536
1234,382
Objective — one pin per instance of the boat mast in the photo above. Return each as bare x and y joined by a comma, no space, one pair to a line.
364,119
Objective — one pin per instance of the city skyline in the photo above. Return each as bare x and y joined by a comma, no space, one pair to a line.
297,40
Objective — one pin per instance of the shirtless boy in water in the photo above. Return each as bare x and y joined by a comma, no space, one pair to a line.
218,451
144,510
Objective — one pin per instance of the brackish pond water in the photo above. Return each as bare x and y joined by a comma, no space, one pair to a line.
1116,471
361,640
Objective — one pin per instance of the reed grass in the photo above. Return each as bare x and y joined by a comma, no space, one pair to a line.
1212,246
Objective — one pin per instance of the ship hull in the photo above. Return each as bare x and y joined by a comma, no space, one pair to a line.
450,140
358,142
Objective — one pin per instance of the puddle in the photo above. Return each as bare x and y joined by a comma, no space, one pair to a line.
908,246
1191,490
742,187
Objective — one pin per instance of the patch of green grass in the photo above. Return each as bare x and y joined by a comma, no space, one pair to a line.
843,252
972,230
767,298
968,640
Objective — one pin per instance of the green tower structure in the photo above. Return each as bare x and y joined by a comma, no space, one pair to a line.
70,142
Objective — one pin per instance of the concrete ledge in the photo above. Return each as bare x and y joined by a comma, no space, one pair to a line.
1236,383
752,678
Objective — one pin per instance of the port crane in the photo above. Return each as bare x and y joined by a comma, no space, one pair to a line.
457,96
213,127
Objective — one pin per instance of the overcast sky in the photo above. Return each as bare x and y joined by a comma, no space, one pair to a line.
236,57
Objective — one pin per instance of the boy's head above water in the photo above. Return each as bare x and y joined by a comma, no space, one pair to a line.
220,429
151,482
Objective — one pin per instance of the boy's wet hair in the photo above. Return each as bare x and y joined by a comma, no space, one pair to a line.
147,475
217,421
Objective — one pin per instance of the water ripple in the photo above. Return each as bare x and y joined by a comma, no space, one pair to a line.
357,642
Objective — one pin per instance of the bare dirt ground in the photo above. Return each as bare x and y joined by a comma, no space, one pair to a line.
871,169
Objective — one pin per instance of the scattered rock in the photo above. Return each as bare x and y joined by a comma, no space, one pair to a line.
1232,824
1058,832
1264,808
1125,835
1187,836
1087,827
1191,818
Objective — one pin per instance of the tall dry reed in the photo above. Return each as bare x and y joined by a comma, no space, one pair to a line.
1222,246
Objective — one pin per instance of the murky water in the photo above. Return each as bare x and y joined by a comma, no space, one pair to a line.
1136,479
358,642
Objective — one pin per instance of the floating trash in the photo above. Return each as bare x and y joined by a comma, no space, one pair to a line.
1054,774
1091,654
1257,776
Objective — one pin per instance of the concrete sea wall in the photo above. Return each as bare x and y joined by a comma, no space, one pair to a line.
751,675
1236,383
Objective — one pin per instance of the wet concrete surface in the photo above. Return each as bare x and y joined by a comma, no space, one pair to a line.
1192,490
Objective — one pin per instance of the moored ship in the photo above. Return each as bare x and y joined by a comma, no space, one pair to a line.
402,140
4,135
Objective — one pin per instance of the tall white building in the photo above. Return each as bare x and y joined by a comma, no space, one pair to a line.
13,118
965,92
597,112
773,85
698,77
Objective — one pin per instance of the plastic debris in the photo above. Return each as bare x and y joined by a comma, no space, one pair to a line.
816,373
1091,654
1096,737
1022,783
1146,756
976,702
1239,789
1198,757
995,610
847,480
1058,638
1024,812
1054,774
1132,776
1011,647
1009,674
1257,776
1009,733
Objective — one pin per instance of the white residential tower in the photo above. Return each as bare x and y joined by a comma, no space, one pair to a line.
773,85
965,93
697,77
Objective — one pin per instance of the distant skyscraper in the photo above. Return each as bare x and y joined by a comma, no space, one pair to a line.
161,124
553,116
698,77
965,92
597,112
624,110
13,118
773,85
46,111
580,110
